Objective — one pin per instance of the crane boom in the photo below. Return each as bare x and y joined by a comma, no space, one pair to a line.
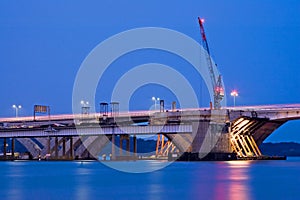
216,83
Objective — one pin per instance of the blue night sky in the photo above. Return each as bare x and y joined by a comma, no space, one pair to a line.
255,43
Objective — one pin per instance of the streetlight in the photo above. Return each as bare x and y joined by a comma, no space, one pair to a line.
84,107
17,108
155,99
234,93
84,103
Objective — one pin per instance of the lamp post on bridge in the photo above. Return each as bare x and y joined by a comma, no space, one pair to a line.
84,107
234,93
155,100
17,107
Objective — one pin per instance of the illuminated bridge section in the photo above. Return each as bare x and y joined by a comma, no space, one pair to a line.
251,126
241,137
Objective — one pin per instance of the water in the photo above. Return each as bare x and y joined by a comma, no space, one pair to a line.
181,180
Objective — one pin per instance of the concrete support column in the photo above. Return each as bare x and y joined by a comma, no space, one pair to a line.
13,148
4,148
49,145
121,145
113,150
56,147
71,148
64,148
128,144
134,146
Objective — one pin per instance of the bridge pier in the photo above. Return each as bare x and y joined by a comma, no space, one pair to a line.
134,146
12,148
128,154
56,147
209,140
121,145
49,146
53,148
71,149
128,145
64,148
113,147
125,138
4,148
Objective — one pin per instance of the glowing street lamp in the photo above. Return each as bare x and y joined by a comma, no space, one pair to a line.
84,103
155,100
17,108
234,93
84,107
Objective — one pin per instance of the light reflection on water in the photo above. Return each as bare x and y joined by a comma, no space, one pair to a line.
144,166
239,186
223,180
180,180
81,182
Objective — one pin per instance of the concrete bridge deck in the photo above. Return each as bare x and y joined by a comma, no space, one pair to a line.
231,129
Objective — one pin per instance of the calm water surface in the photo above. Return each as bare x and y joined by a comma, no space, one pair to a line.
181,180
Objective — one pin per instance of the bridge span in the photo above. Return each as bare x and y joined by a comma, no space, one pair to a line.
238,130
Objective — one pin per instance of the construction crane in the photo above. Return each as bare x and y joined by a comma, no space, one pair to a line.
216,82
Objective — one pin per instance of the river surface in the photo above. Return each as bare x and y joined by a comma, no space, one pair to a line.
180,180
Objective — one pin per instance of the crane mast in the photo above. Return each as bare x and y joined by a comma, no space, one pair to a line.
216,83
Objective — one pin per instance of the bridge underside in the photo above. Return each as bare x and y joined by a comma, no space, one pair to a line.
242,136
248,133
205,137
64,147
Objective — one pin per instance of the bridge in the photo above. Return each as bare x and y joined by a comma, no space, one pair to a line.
238,130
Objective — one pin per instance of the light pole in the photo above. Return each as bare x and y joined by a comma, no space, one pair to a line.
84,107
155,99
234,93
17,108
84,103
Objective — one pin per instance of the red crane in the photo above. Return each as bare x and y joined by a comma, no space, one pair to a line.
216,83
